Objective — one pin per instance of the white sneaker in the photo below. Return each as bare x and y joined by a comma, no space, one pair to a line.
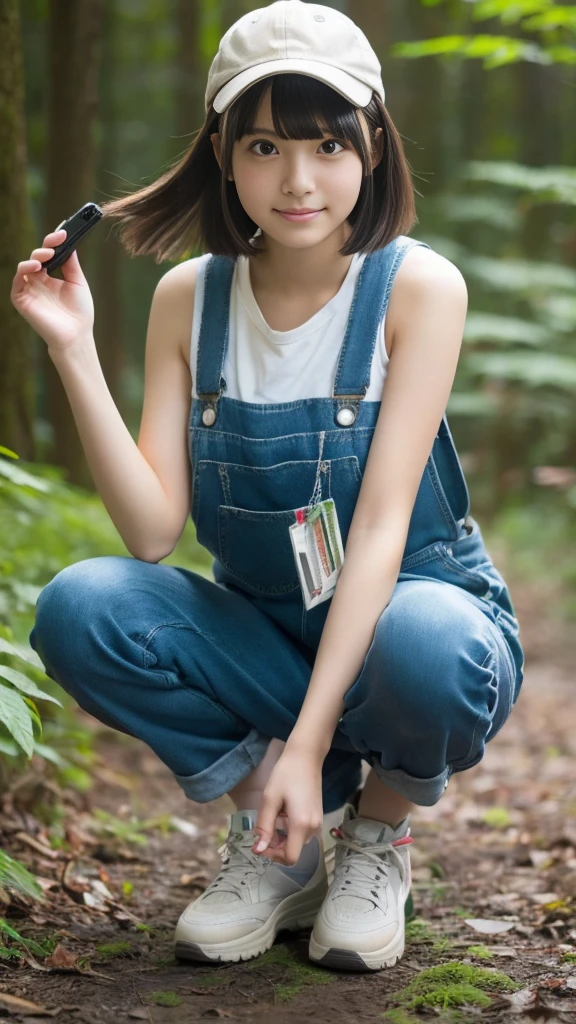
242,910
360,925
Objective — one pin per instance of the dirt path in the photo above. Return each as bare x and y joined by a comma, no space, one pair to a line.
500,845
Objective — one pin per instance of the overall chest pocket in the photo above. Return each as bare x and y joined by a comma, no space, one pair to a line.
243,514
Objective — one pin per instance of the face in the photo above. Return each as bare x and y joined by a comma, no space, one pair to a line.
274,176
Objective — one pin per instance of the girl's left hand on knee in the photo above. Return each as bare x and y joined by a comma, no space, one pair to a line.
291,808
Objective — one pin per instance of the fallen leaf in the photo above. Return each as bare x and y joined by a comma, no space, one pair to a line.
521,1000
14,1004
540,858
198,879
47,883
187,827
543,897
61,957
46,851
487,926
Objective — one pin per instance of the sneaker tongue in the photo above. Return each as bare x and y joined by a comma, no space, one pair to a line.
243,821
369,831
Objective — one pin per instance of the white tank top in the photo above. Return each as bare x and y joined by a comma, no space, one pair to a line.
267,366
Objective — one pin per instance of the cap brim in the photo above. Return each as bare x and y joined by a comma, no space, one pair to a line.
348,86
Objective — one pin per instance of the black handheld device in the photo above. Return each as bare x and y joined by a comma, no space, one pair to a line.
75,227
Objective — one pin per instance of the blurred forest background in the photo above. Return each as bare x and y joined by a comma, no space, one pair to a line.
98,97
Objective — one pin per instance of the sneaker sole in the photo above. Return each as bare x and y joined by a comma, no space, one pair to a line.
295,912
351,960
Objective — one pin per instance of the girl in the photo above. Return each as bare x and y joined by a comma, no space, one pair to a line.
308,355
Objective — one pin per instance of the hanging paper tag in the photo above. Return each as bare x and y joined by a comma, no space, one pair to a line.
318,551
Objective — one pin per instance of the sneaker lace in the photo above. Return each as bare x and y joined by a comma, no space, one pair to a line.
355,875
238,862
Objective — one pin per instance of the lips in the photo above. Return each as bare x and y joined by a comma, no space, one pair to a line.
299,216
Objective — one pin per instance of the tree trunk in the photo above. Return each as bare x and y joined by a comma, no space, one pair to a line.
16,241
74,35
109,325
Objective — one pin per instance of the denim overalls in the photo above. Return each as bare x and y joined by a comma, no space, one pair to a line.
206,671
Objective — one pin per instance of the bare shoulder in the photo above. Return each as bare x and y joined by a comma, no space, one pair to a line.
175,291
425,278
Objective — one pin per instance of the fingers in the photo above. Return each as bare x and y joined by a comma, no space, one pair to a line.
41,255
266,823
286,846
55,237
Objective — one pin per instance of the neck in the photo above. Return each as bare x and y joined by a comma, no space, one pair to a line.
301,271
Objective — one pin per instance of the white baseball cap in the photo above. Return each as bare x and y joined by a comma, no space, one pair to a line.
292,36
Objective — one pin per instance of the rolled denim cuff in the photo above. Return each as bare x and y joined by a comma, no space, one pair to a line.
227,771
338,783
425,792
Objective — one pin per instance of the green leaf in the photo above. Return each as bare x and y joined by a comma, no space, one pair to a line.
494,50
49,754
7,648
25,654
509,11
17,719
558,17
495,210
476,404
547,184
8,452
504,329
23,479
562,54
9,748
26,685
34,713
526,277
7,929
535,370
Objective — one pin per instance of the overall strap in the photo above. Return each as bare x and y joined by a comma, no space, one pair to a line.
369,304
213,335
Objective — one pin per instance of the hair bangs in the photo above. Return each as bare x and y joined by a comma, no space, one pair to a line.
302,108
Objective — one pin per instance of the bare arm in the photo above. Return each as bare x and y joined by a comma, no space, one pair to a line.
430,302
146,486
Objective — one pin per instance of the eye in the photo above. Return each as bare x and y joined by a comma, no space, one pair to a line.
332,142
326,142
262,142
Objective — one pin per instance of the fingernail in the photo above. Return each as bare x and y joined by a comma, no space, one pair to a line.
260,845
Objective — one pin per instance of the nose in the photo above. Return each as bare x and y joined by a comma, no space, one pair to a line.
298,178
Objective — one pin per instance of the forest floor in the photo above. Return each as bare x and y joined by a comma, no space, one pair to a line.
499,848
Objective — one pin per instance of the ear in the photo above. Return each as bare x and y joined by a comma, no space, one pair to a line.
215,140
378,148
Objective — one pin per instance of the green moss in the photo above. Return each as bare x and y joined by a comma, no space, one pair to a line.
110,950
399,1017
463,912
442,945
165,961
436,869
418,930
497,817
453,984
298,975
569,958
212,980
481,952
164,998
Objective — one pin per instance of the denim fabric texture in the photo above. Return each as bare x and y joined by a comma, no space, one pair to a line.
205,672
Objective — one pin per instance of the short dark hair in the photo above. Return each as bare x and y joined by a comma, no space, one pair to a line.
194,205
